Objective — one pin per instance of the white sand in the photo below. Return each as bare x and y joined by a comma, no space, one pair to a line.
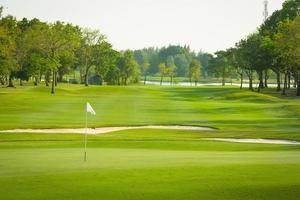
105,129
257,141
113,129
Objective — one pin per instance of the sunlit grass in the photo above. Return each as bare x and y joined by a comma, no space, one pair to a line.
224,108
148,164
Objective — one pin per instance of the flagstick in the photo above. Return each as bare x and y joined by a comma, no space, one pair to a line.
85,138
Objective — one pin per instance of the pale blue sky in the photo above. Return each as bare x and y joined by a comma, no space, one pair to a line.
209,25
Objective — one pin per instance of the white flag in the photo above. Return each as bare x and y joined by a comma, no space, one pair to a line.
90,109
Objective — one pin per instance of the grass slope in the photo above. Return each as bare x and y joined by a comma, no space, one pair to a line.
148,164
225,108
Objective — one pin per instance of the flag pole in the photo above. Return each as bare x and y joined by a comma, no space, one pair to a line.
85,137
90,110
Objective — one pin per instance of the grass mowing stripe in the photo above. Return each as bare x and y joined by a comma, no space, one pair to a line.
149,164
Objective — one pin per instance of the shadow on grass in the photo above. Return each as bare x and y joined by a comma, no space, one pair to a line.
217,93
290,93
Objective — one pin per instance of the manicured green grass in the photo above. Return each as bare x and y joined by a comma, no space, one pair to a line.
149,164
141,165
224,108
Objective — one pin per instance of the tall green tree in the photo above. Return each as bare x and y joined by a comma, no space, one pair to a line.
105,57
55,41
204,59
288,48
113,76
145,69
182,63
171,68
220,67
162,71
88,51
8,33
244,58
195,71
33,50
237,62
129,69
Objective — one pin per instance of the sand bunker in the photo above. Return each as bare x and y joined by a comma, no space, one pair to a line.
113,129
105,129
257,141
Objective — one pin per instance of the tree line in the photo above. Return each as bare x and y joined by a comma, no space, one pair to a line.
171,61
274,49
46,52
36,50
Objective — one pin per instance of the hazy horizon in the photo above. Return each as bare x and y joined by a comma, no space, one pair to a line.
207,25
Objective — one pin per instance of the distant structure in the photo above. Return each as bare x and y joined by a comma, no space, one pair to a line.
266,12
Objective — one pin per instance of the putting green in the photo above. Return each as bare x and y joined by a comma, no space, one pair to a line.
120,167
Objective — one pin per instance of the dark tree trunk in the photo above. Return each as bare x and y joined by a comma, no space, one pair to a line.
47,78
86,78
285,84
196,83
261,81
53,82
278,81
242,80
86,81
35,80
289,80
171,80
10,81
250,83
55,79
266,78
295,81
21,82
161,80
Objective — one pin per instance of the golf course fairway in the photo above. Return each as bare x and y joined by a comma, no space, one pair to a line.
148,164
